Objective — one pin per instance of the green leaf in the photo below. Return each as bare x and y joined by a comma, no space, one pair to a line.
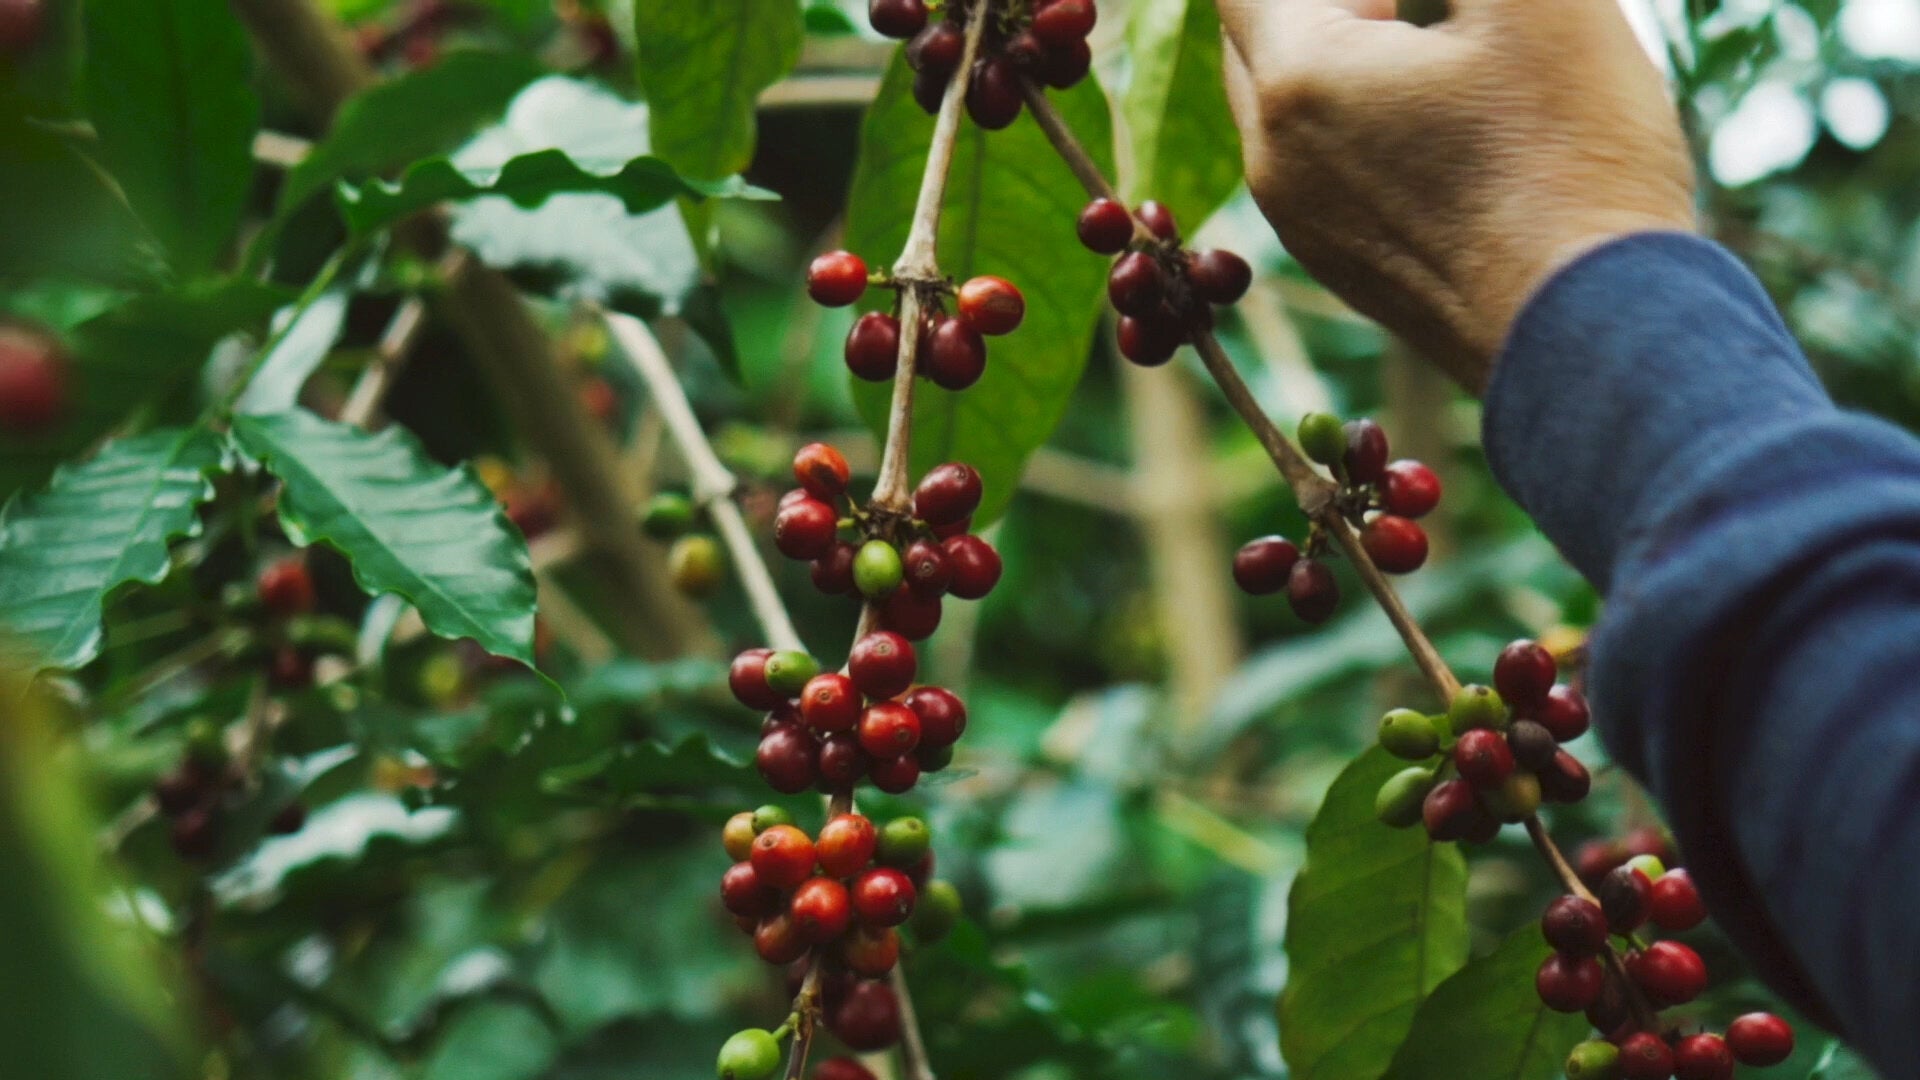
1010,210
97,526
652,768
1487,1021
1375,920
1186,149
702,64
435,536
641,184
60,215
169,90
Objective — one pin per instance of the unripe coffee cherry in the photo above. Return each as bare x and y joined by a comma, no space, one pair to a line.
805,529
33,368
993,95
1409,489
1064,22
895,776
668,516
1645,1056
1396,545
1523,675
822,471
737,835
1517,797
976,566
1574,926
749,1055
1450,810
1595,1059
747,678
1262,566
1105,227
948,493
1135,285
867,1018
1323,437
846,845
877,570
778,939
696,565
1532,745
1564,713
1482,758
1409,734
937,912
943,717
1760,1039
937,49
883,896
1702,1057
903,842
1312,591
1366,456
788,671
788,760
1476,706
836,279
821,910
829,702
1569,984
1219,277
1674,903
953,354
842,1068
871,951
782,856
873,346
889,730
766,817
881,664
841,762
1399,802
1148,341
1668,972
1158,220
832,573
1624,895
897,18
910,615
1648,864
285,587
991,304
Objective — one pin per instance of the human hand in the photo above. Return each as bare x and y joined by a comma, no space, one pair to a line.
1434,177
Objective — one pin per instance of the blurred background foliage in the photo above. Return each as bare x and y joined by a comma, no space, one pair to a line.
491,886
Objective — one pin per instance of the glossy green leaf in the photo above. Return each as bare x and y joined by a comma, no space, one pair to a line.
169,91
435,536
99,525
1010,210
651,768
702,64
1375,920
641,184
1487,1021
1186,149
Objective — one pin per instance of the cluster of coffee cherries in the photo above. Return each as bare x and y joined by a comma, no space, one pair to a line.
952,348
1493,757
1045,41
903,565
835,900
1635,1044
33,379
1162,291
1381,498
696,563
196,795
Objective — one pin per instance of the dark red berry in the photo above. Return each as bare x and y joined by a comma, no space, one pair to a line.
926,569
779,940
787,760
1674,904
289,819
1569,984
1702,1057
822,471
195,834
782,856
1136,285
1565,780
1148,341
888,730
833,572
871,951
1523,674
897,18
285,587
842,763
1063,22
1395,544
1595,859
948,493
937,49
33,368
1158,220
842,1068
1668,972
1066,65
1624,895
895,777
873,346
1450,810
837,278
747,678
1648,840
883,897
1105,227
1483,758
1611,1009
1565,713
1025,52
1262,566
1366,457
1760,1039
868,1018
993,305
20,23
910,615
821,910
881,664
993,96
1574,926
830,703
180,788
846,844
943,717
1312,591
806,529
1219,277
953,528
976,566
953,354
1409,489
933,758
743,893
1532,745
290,668
930,87
1645,1056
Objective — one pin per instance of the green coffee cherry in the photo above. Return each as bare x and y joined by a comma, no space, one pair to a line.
752,1054
903,841
1515,798
440,678
934,758
1408,734
668,515
876,569
936,912
766,817
1595,1059
787,672
696,565
206,741
1323,437
1649,865
1398,803
1476,707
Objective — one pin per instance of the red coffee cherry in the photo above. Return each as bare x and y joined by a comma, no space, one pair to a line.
993,96
842,763
747,678
1668,972
821,910
882,664
1569,984
1219,277
871,951
1483,758
1565,713
1105,227
290,669
806,529
895,777
1449,810
1064,22
833,572
1395,544
1565,780
822,471
1149,341
867,1018
873,346
1702,1057
992,305
953,529
1312,592
1595,859
842,1068
830,703
1409,489
288,820
937,49
1624,895
953,354
925,568
930,88
1532,745
910,615
1366,457
779,940
20,23
1262,566
948,493
285,587
976,566
889,730
1760,1039
782,856
846,844
33,368
1136,285
1158,220
1645,1056
1574,926
883,896
1067,64
836,279
897,18
1025,52
1524,674
743,893
787,760
1674,904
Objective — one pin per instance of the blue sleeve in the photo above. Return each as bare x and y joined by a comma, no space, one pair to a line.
1758,663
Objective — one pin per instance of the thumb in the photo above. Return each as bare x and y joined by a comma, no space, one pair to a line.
1256,28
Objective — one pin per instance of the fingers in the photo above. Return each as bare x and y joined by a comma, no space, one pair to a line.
1566,17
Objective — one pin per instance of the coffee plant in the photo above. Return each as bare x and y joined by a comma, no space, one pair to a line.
458,618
